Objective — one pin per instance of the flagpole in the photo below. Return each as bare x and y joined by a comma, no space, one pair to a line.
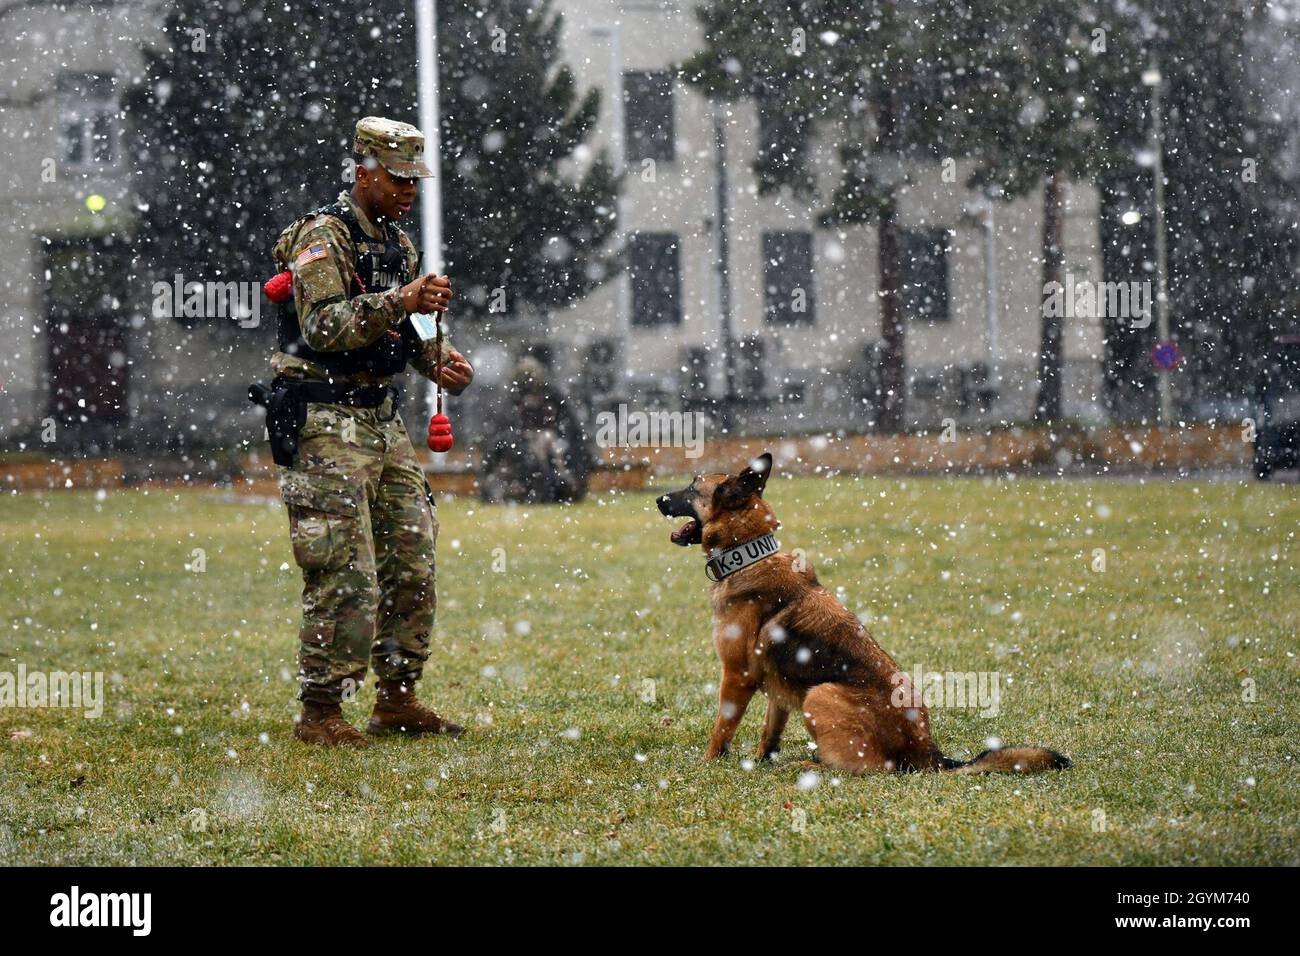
1164,376
426,36
426,31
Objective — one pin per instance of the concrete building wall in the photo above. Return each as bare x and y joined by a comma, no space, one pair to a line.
183,386
41,193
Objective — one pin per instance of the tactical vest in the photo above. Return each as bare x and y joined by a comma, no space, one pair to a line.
373,272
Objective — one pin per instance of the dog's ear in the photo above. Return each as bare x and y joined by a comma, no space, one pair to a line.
738,489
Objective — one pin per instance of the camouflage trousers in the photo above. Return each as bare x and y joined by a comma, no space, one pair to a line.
363,534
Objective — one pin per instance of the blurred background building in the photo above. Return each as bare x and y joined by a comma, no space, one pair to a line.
804,305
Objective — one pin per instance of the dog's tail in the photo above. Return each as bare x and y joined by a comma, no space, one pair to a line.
1010,760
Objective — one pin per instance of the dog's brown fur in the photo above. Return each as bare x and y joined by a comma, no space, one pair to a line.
778,630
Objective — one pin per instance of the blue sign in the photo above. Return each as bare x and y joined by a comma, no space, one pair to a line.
1166,356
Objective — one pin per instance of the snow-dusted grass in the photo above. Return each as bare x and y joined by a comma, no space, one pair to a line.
1136,672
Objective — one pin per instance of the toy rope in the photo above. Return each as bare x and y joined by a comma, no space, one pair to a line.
437,362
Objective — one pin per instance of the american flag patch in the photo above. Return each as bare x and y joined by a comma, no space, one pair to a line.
311,254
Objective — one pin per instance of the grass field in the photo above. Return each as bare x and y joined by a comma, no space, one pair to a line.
1138,672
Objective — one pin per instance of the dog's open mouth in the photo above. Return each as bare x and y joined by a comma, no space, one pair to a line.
687,534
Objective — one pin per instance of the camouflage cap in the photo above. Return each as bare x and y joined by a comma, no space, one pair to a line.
399,147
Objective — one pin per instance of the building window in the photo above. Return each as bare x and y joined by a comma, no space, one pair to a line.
923,274
694,380
88,111
917,102
752,367
788,277
648,116
600,368
781,153
772,125
654,267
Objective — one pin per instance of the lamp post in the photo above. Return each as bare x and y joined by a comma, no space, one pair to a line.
991,304
980,216
1151,78
723,263
613,33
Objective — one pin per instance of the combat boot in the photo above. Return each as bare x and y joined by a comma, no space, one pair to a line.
324,724
398,712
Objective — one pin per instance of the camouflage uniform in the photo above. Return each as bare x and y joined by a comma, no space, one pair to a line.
362,527
540,453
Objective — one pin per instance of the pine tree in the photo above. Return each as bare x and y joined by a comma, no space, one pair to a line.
1038,90
1021,83
247,124
244,119
1228,192
812,66
527,206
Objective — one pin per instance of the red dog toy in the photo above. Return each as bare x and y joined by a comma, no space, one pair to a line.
440,438
280,287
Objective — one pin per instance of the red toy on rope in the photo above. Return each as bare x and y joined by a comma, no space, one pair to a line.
440,437
279,287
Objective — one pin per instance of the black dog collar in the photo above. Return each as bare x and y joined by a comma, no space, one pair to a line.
726,562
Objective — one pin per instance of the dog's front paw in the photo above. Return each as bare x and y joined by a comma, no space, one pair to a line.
767,754
715,751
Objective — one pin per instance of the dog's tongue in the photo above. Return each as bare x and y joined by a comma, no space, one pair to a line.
683,532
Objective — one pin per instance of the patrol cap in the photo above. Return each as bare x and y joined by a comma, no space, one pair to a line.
398,147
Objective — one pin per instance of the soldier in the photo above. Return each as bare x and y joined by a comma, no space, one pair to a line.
361,521
540,453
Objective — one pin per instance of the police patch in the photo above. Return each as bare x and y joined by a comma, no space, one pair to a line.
310,254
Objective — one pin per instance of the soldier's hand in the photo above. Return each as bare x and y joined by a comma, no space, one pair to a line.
436,295
428,293
410,294
457,373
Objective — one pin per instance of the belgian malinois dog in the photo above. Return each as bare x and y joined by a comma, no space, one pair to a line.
778,630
